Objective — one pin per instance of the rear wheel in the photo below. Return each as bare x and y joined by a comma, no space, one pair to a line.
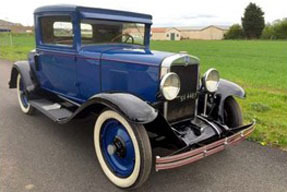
123,150
22,97
232,113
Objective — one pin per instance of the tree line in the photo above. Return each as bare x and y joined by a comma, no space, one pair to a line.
254,27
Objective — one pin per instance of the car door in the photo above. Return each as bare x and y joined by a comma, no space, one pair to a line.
56,62
88,63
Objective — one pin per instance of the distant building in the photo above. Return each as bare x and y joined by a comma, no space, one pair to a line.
165,34
211,32
15,27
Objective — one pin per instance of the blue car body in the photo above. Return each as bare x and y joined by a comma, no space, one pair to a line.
79,72
65,77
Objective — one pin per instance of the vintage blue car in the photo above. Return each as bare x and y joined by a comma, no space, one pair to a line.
91,61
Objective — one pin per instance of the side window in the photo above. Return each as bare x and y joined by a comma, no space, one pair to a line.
86,33
57,30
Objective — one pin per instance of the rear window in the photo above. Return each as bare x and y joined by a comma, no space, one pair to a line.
57,30
63,29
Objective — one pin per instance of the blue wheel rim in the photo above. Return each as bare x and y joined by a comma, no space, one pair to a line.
24,98
122,161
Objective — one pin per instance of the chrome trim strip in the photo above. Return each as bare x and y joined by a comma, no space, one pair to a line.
196,108
205,104
198,88
167,62
165,106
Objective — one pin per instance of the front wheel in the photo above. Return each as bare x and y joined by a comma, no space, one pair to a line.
232,113
123,150
22,97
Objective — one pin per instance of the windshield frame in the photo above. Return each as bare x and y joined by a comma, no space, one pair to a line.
146,35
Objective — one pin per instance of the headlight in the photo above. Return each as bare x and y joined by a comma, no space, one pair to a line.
170,86
210,80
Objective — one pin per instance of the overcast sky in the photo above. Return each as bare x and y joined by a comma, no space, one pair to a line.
165,13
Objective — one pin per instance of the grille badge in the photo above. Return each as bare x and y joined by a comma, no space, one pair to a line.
186,61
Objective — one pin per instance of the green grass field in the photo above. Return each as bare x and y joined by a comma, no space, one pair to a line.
260,67
22,44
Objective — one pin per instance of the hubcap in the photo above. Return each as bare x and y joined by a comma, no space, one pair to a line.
111,149
117,148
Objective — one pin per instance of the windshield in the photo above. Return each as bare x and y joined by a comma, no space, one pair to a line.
101,31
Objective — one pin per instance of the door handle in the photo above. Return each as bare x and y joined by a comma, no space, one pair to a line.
36,59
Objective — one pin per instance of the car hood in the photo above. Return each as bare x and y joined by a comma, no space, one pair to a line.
127,54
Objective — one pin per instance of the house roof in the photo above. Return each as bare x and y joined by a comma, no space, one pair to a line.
89,12
200,28
162,29
159,30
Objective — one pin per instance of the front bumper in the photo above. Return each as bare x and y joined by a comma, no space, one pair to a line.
170,162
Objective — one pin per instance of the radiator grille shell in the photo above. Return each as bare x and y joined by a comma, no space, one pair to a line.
184,105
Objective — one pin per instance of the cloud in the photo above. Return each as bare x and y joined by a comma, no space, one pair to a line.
181,12
199,16
189,20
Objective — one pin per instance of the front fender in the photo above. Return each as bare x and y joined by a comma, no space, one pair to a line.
27,75
226,89
133,108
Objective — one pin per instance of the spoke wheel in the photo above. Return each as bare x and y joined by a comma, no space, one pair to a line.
123,150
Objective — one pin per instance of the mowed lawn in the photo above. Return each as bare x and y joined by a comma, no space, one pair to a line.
21,45
260,67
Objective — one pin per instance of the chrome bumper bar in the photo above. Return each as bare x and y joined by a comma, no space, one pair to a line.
170,162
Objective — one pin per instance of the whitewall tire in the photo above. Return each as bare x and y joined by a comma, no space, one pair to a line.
123,150
22,97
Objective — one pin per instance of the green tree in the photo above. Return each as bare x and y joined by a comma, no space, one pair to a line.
234,32
253,21
276,30
280,29
268,32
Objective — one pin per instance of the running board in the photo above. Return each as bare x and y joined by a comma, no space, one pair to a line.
54,111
